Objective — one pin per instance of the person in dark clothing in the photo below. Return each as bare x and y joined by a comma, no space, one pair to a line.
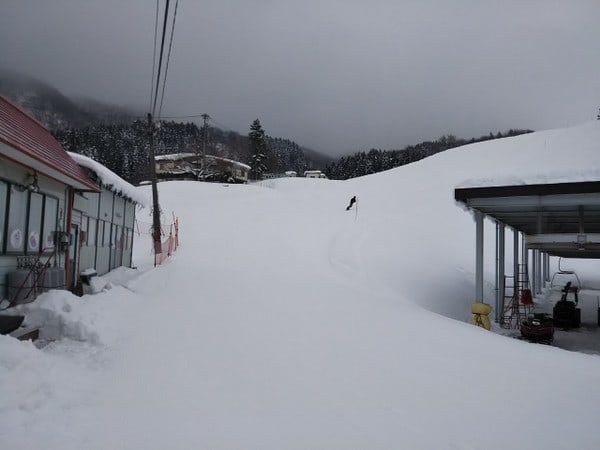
352,202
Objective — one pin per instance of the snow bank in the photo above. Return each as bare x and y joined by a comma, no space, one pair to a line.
96,319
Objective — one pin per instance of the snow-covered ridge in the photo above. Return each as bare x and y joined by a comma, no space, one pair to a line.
111,179
568,155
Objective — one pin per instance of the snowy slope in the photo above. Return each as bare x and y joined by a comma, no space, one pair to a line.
284,321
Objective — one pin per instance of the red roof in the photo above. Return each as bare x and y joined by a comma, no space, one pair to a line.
36,148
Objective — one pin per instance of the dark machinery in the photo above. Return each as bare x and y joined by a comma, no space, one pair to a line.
8,324
565,313
539,327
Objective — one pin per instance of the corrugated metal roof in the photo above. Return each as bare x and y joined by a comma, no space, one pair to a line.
36,145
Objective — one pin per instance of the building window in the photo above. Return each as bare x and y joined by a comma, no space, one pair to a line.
107,230
118,242
17,219
3,212
50,221
34,227
100,234
92,232
127,238
83,232
28,220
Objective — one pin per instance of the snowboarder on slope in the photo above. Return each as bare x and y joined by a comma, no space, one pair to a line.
352,202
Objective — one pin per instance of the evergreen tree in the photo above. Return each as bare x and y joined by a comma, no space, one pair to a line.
258,150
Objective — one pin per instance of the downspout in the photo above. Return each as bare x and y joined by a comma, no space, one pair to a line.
70,194
97,219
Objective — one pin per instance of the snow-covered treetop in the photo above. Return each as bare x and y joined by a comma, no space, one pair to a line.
111,180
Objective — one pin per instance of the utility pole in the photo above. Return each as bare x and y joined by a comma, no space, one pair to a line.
205,117
155,206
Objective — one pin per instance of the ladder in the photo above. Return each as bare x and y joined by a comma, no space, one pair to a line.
514,310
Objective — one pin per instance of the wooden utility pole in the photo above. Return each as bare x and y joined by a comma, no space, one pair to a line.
155,206
205,117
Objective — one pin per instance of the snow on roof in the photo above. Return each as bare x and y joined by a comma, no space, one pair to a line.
173,156
236,163
111,179
179,156
568,155
555,177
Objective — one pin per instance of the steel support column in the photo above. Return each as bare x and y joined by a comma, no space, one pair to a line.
534,271
500,253
546,274
516,261
539,282
478,256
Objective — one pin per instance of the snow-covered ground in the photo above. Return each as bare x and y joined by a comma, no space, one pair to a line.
286,322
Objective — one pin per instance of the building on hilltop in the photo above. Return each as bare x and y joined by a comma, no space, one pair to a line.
190,166
314,174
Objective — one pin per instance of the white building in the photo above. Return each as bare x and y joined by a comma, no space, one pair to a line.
314,174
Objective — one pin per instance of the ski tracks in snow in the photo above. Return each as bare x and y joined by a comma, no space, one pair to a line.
345,251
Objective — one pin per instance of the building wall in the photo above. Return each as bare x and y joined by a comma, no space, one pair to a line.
106,231
101,232
28,220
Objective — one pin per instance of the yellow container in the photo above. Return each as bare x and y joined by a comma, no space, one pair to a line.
480,315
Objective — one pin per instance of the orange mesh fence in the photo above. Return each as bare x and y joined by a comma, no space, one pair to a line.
169,245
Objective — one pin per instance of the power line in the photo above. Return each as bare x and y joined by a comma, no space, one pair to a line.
168,58
154,53
162,48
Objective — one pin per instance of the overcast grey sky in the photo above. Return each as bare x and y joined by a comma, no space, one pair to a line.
338,76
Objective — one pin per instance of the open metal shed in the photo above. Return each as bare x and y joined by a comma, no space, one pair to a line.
558,219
